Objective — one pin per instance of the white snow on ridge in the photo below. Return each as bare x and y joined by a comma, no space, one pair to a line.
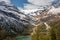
29,11
54,10
6,1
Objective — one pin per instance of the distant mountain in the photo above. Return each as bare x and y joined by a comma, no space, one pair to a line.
56,3
48,13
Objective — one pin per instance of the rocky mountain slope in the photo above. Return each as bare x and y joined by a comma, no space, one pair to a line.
56,3
12,21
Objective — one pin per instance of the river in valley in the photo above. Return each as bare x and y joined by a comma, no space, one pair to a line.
23,38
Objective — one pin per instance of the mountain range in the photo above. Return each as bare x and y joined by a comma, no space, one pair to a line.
13,21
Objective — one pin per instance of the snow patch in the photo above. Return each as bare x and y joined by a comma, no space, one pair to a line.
54,10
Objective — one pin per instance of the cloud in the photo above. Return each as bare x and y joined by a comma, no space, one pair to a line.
40,2
37,3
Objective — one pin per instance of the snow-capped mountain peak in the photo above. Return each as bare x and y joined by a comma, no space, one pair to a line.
5,1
